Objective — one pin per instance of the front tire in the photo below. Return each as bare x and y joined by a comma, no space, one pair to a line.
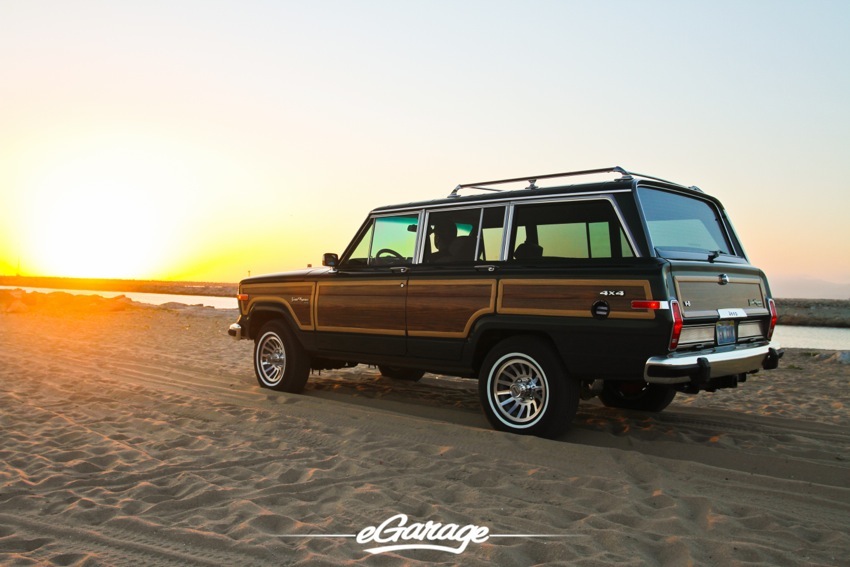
524,389
280,362
636,395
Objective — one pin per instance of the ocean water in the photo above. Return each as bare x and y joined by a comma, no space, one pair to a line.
828,338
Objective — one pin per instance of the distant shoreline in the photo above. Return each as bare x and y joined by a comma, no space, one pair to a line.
214,289
801,312
814,312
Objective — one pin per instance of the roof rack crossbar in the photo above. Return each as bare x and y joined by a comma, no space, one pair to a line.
474,186
532,179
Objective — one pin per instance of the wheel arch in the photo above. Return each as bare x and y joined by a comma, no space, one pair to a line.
489,338
261,314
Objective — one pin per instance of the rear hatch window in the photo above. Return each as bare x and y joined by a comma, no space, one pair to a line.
715,283
685,228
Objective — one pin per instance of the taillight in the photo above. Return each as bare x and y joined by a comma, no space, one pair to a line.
677,324
242,297
774,317
647,304
656,305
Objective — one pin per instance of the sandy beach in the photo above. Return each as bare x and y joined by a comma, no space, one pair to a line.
137,435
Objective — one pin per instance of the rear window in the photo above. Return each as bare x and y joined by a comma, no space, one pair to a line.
681,224
582,229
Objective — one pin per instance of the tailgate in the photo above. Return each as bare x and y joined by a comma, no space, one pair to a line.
721,304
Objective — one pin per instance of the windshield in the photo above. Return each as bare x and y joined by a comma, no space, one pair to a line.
678,223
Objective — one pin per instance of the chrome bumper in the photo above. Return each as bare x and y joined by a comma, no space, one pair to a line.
235,331
679,369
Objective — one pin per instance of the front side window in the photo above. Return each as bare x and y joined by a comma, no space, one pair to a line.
568,230
387,241
678,223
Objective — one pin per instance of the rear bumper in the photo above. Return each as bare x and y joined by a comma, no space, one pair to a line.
702,367
235,331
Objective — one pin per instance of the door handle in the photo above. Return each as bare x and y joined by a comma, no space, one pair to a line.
486,268
399,269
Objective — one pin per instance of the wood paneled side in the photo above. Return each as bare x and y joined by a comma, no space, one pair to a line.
447,308
362,307
572,298
297,298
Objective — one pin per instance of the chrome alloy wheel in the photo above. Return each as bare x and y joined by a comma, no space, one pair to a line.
518,390
524,388
271,359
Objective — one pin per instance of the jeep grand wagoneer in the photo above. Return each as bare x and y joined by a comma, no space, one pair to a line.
632,289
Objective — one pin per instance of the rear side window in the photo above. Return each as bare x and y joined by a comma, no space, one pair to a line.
678,223
451,236
464,235
575,229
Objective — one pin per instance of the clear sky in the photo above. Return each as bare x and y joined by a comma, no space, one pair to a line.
205,139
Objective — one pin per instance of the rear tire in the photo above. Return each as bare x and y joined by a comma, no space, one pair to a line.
400,373
636,395
524,388
280,362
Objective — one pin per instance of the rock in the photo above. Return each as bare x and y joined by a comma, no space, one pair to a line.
119,303
814,312
839,357
173,305
59,303
16,306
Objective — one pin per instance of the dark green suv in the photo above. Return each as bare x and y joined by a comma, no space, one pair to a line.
631,288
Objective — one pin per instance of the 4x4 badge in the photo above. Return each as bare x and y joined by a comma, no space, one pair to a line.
618,293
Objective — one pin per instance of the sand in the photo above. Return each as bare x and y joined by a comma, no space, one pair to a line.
135,435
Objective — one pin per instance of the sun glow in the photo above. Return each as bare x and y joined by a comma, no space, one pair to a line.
102,208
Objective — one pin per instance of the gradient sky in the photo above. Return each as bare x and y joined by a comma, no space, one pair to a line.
205,139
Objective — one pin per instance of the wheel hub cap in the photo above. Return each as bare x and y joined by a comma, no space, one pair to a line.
523,389
276,359
271,359
518,390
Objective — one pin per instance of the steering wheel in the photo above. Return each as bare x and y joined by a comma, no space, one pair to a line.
388,252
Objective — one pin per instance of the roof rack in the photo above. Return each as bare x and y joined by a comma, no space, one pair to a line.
533,179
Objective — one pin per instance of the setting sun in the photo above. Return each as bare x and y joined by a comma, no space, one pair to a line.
104,206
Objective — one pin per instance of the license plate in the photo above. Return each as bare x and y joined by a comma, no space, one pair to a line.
725,332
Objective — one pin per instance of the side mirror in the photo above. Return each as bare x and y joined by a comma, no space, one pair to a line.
330,260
